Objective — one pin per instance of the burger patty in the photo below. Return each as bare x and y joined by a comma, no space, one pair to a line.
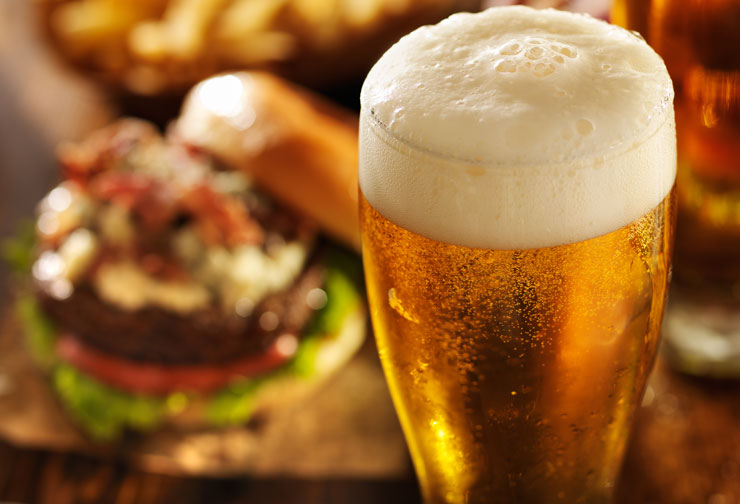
206,336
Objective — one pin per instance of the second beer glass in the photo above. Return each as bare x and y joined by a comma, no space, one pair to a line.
516,175
700,42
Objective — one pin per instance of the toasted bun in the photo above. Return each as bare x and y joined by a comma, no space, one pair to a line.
297,146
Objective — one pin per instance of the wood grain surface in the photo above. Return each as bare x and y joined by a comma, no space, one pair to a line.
33,476
685,450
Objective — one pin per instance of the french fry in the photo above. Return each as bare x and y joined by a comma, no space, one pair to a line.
261,47
244,17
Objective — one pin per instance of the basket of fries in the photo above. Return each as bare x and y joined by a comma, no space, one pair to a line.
155,47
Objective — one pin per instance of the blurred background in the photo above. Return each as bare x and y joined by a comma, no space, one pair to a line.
69,67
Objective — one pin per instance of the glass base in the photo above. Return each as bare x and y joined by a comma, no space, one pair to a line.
701,336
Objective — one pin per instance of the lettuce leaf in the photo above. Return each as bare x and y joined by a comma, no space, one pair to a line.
39,330
17,251
104,412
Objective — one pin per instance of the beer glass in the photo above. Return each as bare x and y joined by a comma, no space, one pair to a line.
516,175
700,42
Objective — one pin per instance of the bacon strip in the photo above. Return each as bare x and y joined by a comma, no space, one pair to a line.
105,149
221,219
151,200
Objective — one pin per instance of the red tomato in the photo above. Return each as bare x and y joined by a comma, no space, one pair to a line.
158,379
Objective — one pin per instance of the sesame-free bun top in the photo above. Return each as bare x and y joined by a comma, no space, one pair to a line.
299,147
517,128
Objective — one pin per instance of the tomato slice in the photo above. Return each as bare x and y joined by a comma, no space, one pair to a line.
159,379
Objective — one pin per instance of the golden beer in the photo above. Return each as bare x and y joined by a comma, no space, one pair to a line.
632,14
515,373
700,43
516,178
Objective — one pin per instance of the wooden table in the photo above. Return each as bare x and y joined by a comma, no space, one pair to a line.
685,448
33,476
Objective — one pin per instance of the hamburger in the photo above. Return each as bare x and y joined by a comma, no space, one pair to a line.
169,287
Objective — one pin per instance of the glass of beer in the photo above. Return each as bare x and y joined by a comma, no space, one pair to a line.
700,43
516,177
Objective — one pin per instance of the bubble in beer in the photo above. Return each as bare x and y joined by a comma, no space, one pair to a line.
581,130
395,303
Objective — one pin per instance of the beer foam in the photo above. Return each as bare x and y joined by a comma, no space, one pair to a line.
517,128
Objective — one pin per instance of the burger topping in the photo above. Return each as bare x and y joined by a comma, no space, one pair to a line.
149,222
62,211
115,226
247,273
77,252
127,286
55,271
154,253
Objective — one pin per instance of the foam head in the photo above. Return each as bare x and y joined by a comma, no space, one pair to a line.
517,128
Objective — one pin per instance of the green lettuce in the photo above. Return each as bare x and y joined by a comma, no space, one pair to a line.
104,412
17,251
